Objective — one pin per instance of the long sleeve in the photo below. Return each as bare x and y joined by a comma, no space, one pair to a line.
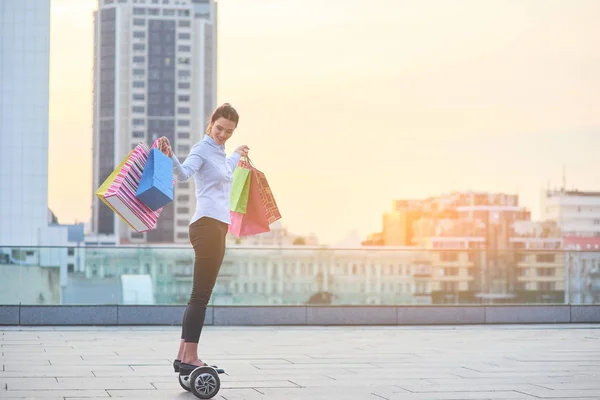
233,160
192,163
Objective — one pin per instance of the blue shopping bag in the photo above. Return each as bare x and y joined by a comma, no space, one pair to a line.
156,185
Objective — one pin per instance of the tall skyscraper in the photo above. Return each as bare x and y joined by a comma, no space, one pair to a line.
24,91
154,75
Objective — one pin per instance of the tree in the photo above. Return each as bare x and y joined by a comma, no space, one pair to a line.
299,241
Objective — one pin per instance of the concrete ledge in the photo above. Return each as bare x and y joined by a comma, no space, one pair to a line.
434,315
352,315
155,315
551,314
259,315
300,315
69,315
585,314
9,315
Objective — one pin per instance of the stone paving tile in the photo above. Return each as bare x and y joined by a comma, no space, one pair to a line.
479,395
52,394
333,363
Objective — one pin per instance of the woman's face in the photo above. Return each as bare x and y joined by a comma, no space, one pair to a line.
221,130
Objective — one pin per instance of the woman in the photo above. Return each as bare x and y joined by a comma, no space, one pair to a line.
212,171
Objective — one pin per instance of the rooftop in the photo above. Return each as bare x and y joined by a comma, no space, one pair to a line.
436,363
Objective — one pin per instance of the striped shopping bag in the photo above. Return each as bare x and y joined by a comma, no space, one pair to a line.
118,191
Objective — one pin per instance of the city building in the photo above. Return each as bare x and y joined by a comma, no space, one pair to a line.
24,96
540,263
398,224
583,269
477,244
278,235
577,213
27,228
266,275
155,74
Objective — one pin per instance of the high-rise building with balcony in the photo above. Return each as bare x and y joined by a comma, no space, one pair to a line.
154,75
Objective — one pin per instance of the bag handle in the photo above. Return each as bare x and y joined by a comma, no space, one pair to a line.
246,162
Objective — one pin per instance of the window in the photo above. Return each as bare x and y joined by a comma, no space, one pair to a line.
546,271
183,35
182,222
139,96
183,98
138,134
139,71
545,258
182,235
70,268
450,286
139,84
139,59
169,13
183,122
183,85
138,121
450,271
139,11
183,110
136,235
138,109
546,286
71,251
153,11
139,34
183,198
183,210
184,24
183,185
183,135
183,60
139,22
183,73
449,257
184,48
139,46
183,148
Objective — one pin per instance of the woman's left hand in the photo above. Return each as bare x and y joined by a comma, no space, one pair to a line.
243,150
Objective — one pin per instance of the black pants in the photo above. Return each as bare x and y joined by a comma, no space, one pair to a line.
208,240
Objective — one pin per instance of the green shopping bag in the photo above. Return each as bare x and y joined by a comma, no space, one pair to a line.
240,189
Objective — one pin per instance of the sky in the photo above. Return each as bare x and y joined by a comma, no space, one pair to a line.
347,105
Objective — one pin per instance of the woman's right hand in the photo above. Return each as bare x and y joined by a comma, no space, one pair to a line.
165,146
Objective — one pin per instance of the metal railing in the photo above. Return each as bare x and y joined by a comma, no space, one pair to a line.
299,275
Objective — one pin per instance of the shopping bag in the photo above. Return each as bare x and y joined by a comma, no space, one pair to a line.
240,188
255,220
266,195
118,191
261,210
156,185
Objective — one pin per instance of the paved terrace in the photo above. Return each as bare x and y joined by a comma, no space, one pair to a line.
466,362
